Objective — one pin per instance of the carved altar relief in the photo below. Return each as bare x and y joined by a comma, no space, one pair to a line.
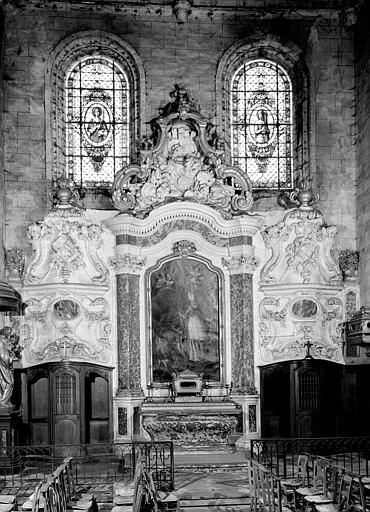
184,255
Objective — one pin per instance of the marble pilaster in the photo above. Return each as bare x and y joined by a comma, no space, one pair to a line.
242,363
128,333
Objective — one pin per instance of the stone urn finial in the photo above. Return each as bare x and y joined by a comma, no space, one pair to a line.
304,196
65,191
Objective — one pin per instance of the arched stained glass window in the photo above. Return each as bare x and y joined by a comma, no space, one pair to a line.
97,121
262,124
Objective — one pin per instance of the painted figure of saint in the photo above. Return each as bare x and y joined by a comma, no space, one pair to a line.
196,331
97,129
262,130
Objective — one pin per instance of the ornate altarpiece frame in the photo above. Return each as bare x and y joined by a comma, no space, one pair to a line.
191,312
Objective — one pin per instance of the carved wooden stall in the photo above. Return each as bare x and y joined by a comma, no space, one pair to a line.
184,261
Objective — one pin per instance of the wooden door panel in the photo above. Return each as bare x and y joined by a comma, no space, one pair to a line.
66,430
67,407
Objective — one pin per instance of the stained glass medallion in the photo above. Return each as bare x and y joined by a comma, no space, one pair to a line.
97,121
262,124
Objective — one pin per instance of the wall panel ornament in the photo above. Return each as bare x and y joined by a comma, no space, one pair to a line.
302,250
66,326
66,287
66,246
303,306
290,322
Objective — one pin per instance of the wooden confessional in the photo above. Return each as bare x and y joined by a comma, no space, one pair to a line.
68,403
301,398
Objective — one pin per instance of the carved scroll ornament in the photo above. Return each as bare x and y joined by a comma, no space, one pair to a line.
181,166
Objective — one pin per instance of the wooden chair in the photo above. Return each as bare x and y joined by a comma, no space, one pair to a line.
300,479
8,499
51,501
331,488
35,502
266,493
315,487
72,499
344,501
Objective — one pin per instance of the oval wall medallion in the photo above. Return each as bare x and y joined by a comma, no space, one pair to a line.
66,309
304,308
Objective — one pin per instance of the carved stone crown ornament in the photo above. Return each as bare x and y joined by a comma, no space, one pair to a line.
179,164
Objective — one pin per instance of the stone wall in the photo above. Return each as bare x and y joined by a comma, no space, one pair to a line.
174,52
2,188
362,70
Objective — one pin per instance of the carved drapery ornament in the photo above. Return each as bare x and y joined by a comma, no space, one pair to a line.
178,164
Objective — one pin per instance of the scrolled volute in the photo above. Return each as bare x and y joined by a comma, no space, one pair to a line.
125,186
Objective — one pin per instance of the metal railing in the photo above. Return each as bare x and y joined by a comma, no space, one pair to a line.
280,455
23,466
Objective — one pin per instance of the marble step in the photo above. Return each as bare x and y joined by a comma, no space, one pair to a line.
212,467
216,508
214,502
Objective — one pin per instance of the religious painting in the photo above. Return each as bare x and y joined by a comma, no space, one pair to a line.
185,314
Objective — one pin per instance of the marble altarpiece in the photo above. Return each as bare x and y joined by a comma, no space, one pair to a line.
184,260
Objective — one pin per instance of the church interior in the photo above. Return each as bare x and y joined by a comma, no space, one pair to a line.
185,242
